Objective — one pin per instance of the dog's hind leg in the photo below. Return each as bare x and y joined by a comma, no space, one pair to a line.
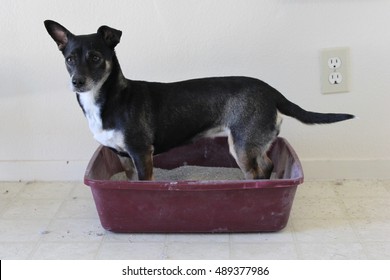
253,165
251,158
265,165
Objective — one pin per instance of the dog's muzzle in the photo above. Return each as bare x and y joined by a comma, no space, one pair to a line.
78,82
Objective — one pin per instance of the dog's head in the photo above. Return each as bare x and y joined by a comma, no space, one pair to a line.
88,58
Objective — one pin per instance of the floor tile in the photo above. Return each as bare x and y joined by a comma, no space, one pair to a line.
318,208
10,190
263,251
377,250
46,190
364,189
131,251
284,235
197,251
386,185
315,189
78,208
15,250
369,230
81,191
32,209
200,237
66,251
343,219
134,237
374,208
22,230
324,230
4,203
75,230
331,251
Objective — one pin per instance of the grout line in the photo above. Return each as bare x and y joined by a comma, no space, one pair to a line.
164,254
230,246
96,255
295,239
349,218
51,221
40,240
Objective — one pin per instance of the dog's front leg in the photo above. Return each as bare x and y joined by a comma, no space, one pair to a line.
128,167
143,161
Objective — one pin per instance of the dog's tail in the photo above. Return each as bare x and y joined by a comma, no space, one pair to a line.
290,109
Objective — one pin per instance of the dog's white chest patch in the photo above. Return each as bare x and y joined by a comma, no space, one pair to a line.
107,137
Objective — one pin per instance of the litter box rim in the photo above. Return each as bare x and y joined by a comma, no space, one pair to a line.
193,185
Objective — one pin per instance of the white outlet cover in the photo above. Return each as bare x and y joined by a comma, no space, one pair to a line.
335,60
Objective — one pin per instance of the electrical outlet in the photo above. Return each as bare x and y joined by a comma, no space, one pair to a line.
334,62
334,70
335,78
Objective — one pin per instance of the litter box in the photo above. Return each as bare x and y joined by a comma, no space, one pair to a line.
195,206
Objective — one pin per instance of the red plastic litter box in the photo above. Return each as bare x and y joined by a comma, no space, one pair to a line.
195,206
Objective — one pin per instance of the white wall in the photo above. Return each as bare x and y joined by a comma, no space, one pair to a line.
43,133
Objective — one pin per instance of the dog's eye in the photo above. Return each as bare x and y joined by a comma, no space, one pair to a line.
95,58
70,59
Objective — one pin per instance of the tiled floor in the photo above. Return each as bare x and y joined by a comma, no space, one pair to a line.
329,220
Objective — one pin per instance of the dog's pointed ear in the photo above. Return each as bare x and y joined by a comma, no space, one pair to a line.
110,35
59,33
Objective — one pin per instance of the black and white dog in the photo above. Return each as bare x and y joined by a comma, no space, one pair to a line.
138,119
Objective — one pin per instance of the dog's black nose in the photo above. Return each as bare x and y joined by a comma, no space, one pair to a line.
78,82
